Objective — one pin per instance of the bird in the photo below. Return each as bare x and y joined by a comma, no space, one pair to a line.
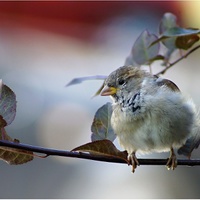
150,114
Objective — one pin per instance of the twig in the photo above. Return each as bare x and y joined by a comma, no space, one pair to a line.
63,153
178,60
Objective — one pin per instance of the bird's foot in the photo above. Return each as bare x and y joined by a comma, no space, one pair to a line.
133,161
172,161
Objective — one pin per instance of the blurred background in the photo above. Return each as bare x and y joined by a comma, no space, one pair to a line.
43,45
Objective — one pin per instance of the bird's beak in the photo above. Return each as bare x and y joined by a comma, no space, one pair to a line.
106,91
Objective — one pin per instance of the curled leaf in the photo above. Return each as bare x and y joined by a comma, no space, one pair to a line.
86,78
104,148
101,127
158,57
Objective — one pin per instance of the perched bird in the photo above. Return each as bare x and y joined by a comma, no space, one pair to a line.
150,114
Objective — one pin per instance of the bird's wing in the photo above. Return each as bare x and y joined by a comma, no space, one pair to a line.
191,144
171,85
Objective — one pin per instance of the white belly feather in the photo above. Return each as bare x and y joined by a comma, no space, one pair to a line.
154,130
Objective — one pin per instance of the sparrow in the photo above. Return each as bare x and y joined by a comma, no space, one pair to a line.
150,114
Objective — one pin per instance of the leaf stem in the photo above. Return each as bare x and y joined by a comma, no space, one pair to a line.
72,154
178,60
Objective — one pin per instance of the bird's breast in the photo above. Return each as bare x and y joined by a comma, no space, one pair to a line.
149,131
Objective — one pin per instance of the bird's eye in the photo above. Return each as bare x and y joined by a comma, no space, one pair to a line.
121,81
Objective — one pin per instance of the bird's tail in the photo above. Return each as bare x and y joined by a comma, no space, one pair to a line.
193,141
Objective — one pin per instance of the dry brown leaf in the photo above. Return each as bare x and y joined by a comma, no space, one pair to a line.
11,155
2,122
104,148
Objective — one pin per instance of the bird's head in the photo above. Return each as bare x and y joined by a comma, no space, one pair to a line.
123,81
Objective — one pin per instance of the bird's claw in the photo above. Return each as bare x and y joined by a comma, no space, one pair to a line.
133,161
172,161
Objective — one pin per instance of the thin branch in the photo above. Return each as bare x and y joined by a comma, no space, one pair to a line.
63,153
178,60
